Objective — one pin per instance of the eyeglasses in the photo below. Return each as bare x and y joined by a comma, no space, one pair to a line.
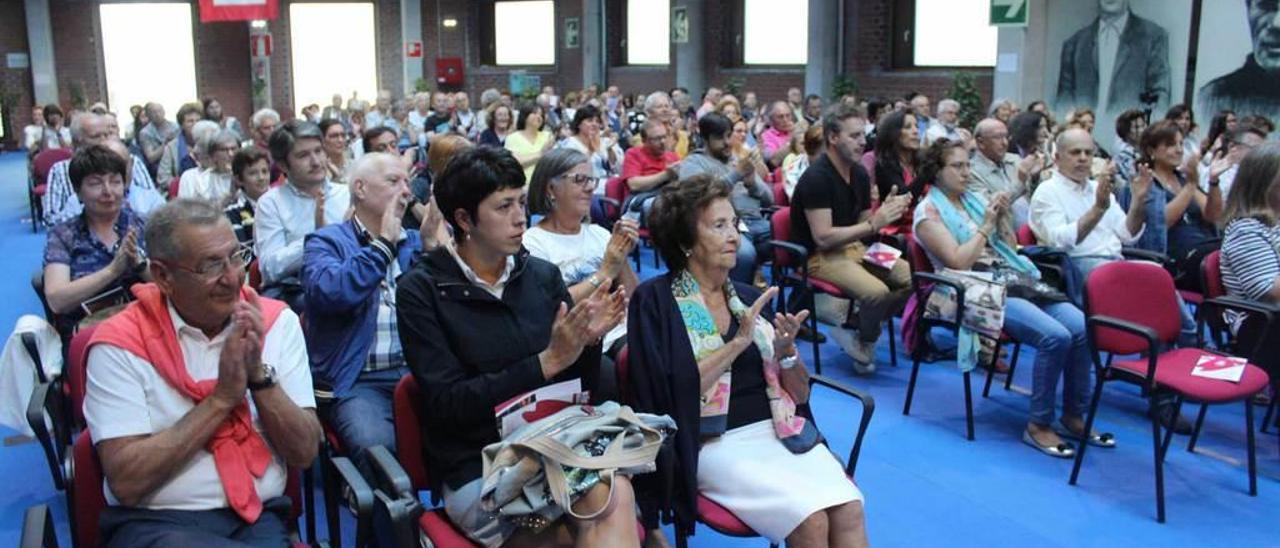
584,181
210,271
228,148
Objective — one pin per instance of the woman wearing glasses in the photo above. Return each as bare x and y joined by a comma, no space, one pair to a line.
588,256
212,181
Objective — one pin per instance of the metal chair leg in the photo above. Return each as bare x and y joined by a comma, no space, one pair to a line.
1088,427
1195,433
991,372
1168,434
968,407
1253,457
813,327
893,345
1158,456
1013,366
911,385
309,502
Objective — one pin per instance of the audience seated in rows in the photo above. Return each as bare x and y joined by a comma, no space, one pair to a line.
212,179
833,218
213,112
775,140
729,374
894,163
285,215
795,164
590,135
48,130
449,309
995,170
646,169
749,193
156,135
945,124
961,229
178,156
338,155
199,396
529,142
1130,126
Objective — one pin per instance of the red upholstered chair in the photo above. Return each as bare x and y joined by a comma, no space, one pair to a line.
616,190
1026,236
1131,309
719,518
57,402
780,198
788,258
923,280
38,185
87,503
173,187
254,271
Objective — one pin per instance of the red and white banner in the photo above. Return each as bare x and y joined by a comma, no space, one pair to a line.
238,10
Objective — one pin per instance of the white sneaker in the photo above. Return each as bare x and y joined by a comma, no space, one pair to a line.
864,357
845,338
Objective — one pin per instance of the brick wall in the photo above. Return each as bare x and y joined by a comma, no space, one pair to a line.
13,39
222,67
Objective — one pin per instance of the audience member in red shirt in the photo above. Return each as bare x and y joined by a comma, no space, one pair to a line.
647,168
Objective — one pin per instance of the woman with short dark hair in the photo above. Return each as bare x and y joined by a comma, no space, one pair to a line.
528,143
1130,126
709,352
588,138
481,323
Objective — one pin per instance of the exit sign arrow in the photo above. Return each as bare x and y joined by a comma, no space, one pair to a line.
1009,12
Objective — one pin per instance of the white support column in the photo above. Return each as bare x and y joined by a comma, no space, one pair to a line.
40,49
592,38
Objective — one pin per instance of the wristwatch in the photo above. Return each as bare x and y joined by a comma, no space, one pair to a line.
268,378
789,361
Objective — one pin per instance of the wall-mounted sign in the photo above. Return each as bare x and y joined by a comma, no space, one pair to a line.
572,34
413,48
17,60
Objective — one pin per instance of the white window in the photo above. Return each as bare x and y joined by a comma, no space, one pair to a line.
524,33
954,33
775,32
133,59
648,32
333,52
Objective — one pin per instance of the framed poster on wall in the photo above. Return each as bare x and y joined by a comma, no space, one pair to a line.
1116,55
1238,58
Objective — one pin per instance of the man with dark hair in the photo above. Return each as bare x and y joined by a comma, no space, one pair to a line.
288,213
199,397
749,193
1113,61
1255,86
380,139
832,217
813,109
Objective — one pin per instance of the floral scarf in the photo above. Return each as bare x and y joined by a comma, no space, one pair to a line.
796,433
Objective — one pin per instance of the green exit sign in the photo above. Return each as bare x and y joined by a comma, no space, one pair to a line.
1009,13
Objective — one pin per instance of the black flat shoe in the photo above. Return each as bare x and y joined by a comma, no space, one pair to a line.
805,334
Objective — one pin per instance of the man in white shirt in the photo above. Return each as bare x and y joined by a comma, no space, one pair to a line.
945,124
1075,213
288,213
199,396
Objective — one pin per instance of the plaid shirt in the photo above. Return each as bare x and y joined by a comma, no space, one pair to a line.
385,352
60,201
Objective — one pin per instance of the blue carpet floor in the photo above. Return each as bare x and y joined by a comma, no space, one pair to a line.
925,484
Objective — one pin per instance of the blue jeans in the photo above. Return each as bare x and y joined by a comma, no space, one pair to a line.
751,247
362,418
1057,332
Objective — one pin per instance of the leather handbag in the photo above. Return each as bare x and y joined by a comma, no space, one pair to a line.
533,477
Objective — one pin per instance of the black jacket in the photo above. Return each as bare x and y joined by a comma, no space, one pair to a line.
664,380
470,352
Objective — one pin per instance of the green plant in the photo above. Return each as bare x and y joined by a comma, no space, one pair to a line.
422,85
734,86
76,90
964,90
843,85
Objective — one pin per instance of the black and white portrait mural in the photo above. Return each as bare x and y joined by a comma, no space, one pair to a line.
1114,55
1238,62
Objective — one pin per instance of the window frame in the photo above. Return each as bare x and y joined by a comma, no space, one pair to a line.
902,45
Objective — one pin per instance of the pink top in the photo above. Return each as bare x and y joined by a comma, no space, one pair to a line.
774,140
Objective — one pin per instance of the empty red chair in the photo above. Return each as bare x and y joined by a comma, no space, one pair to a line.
1132,310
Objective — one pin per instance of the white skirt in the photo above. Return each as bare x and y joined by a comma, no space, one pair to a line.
771,489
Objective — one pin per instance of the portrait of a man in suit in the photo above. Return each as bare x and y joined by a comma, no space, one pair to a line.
1254,87
1110,63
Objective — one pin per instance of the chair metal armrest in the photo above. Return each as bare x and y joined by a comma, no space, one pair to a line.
868,409
1135,254
356,495
1266,310
1153,340
36,412
938,279
37,528
798,251
391,477
33,352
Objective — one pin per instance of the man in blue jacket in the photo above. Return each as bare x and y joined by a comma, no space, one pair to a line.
349,278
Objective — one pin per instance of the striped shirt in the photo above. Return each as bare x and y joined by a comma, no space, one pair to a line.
1250,260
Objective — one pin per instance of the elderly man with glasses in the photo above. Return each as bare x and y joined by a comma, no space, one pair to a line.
199,395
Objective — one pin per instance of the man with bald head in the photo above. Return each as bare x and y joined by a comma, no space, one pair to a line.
1073,212
349,272
997,170
59,202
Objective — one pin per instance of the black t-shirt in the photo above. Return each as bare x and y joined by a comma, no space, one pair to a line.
822,187
748,400
438,124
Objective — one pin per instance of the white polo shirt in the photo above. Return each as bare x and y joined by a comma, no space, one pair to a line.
125,396
1056,209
